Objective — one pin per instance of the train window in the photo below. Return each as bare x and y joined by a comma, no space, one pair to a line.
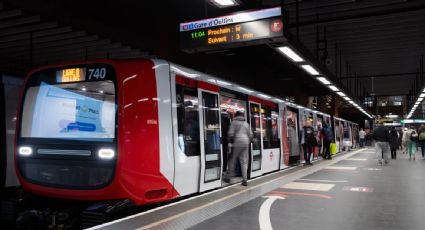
83,111
188,120
270,128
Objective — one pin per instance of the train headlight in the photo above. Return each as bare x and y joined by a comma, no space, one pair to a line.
106,153
25,151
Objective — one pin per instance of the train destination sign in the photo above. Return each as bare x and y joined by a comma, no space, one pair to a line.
253,27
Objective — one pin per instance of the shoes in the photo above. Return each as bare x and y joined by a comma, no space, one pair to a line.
245,183
309,163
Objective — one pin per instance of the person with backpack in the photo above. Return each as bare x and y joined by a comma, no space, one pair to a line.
381,135
421,137
394,143
308,141
240,136
411,142
328,137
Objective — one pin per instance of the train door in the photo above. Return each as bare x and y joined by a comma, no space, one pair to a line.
186,128
285,148
256,153
230,103
270,138
211,149
292,130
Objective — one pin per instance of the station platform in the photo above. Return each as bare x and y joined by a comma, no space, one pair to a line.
349,192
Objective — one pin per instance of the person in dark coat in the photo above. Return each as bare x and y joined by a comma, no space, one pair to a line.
394,143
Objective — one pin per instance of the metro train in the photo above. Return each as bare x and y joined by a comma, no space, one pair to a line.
144,130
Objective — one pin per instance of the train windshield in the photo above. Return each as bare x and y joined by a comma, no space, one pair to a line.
82,111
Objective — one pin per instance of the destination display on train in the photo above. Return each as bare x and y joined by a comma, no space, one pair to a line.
229,30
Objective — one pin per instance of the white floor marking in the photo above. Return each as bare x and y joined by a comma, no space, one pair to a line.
326,181
339,158
341,167
264,214
356,159
372,169
309,186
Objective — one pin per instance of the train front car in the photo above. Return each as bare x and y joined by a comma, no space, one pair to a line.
89,131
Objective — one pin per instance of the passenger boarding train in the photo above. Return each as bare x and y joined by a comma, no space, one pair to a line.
143,130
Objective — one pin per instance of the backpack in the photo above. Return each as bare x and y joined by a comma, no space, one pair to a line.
328,134
422,136
414,136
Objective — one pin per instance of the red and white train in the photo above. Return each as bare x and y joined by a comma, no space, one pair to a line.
144,130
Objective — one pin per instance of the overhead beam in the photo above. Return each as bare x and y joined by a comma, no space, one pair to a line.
10,13
28,28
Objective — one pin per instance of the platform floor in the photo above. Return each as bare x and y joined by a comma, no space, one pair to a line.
349,192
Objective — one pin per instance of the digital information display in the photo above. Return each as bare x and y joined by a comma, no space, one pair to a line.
71,75
81,74
223,32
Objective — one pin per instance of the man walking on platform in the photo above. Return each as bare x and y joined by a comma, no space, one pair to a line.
381,135
421,137
308,141
240,135
362,136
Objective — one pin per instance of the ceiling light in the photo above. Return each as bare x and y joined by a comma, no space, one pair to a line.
324,80
333,88
290,54
310,69
224,3
347,98
422,95
420,99
340,94
278,100
391,116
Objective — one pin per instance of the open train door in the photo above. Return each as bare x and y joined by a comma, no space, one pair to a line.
211,149
256,153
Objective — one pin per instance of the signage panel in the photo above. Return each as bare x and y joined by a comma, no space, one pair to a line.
234,30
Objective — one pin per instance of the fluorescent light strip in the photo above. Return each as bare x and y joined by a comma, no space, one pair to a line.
333,88
225,2
341,94
310,69
324,80
290,54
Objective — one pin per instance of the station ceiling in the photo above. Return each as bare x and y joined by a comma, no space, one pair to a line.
381,42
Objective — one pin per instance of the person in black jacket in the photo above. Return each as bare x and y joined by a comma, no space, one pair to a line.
308,140
327,135
381,135
394,143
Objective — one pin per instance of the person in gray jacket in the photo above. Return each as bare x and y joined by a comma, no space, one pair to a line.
240,135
